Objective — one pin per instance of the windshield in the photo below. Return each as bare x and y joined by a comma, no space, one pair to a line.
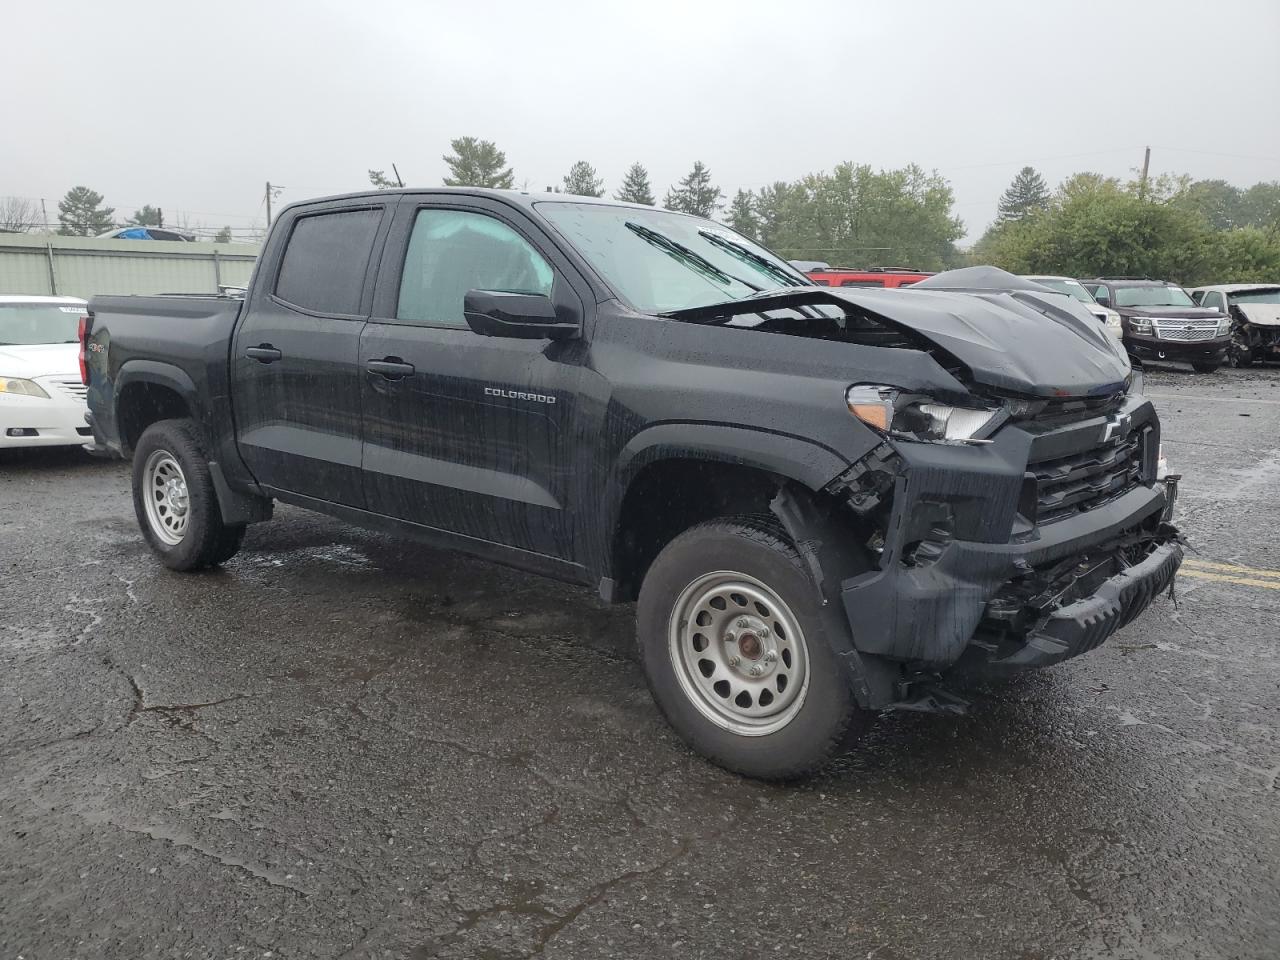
660,261
1152,297
1271,295
1071,288
28,323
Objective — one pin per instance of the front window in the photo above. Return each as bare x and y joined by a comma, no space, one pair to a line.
1165,296
1072,288
661,262
29,323
1271,295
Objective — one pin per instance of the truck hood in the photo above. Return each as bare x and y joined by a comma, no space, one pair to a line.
28,361
1263,314
1019,338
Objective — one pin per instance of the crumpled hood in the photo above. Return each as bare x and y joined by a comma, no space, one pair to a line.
1010,333
28,361
1263,314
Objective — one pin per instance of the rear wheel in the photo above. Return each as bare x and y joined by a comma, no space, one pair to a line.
735,651
174,499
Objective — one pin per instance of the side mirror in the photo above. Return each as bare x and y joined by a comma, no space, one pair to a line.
525,316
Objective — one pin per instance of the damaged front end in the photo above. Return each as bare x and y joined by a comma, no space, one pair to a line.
1028,549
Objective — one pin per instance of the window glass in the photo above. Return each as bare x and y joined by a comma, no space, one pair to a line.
660,261
454,251
28,323
1152,296
1261,295
324,264
862,283
1213,300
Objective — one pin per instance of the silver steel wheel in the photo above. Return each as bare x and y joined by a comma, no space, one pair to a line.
739,653
166,498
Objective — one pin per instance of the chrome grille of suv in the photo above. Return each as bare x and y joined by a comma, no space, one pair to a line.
1171,329
1069,485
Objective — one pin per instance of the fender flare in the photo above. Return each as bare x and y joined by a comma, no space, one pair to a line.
163,375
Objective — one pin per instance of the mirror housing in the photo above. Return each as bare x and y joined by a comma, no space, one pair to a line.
525,316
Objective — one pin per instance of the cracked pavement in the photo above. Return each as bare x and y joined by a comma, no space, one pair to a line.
343,745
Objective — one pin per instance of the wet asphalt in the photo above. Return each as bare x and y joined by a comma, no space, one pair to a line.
342,745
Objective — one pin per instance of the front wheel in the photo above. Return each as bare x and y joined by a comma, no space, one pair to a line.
734,648
175,502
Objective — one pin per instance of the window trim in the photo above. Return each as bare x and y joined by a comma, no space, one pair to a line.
370,267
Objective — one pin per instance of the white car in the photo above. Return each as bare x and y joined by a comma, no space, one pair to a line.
42,399
1077,291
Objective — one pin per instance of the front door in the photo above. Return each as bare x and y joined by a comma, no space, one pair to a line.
465,433
295,359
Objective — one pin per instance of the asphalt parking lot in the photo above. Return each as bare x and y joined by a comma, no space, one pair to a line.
342,745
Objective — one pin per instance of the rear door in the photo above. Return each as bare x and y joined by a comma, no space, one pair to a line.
295,356
463,433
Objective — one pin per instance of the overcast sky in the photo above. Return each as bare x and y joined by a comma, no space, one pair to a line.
193,107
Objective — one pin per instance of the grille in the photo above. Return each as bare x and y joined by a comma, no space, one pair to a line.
1070,485
73,388
1185,330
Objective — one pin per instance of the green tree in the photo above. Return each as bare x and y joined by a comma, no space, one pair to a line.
1260,207
742,214
581,181
148,216
636,187
82,214
381,181
478,163
1027,195
695,194
1215,200
223,235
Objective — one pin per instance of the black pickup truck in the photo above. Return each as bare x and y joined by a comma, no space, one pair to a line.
825,501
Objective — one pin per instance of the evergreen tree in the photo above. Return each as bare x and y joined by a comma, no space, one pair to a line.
636,187
1027,194
82,214
148,216
742,214
381,181
478,163
581,180
695,194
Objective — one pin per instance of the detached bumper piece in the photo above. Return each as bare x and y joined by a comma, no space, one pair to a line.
1083,625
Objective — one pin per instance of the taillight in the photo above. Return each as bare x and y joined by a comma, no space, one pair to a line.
82,334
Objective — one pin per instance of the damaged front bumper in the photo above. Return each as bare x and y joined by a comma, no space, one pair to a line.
1017,554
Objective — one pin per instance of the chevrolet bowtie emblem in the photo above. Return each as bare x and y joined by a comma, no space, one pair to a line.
1116,427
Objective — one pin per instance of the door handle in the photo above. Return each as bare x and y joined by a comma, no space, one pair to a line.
263,353
390,368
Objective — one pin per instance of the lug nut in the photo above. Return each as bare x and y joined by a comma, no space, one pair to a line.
730,636
742,622
771,656
764,631
755,671
734,661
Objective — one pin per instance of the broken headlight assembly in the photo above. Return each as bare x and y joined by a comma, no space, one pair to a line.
913,417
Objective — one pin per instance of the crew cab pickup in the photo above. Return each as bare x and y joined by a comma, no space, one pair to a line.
825,501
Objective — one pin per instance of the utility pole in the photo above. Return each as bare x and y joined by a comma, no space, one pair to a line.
44,215
397,173
1146,165
268,203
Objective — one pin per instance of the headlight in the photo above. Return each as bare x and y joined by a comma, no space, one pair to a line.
1140,325
1224,326
22,388
912,417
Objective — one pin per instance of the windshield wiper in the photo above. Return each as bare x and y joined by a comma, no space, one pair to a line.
690,258
750,257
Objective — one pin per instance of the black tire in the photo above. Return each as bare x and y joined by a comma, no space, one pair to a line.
1241,352
205,540
827,716
1205,367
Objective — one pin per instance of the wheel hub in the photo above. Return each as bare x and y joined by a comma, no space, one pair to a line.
739,653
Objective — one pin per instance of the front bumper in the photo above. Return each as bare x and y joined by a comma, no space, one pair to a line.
57,421
958,544
1179,351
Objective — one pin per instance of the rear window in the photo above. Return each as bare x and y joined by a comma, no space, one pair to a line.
31,323
862,283
325,261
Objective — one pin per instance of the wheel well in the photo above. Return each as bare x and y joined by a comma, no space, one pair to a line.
668,497
142,404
